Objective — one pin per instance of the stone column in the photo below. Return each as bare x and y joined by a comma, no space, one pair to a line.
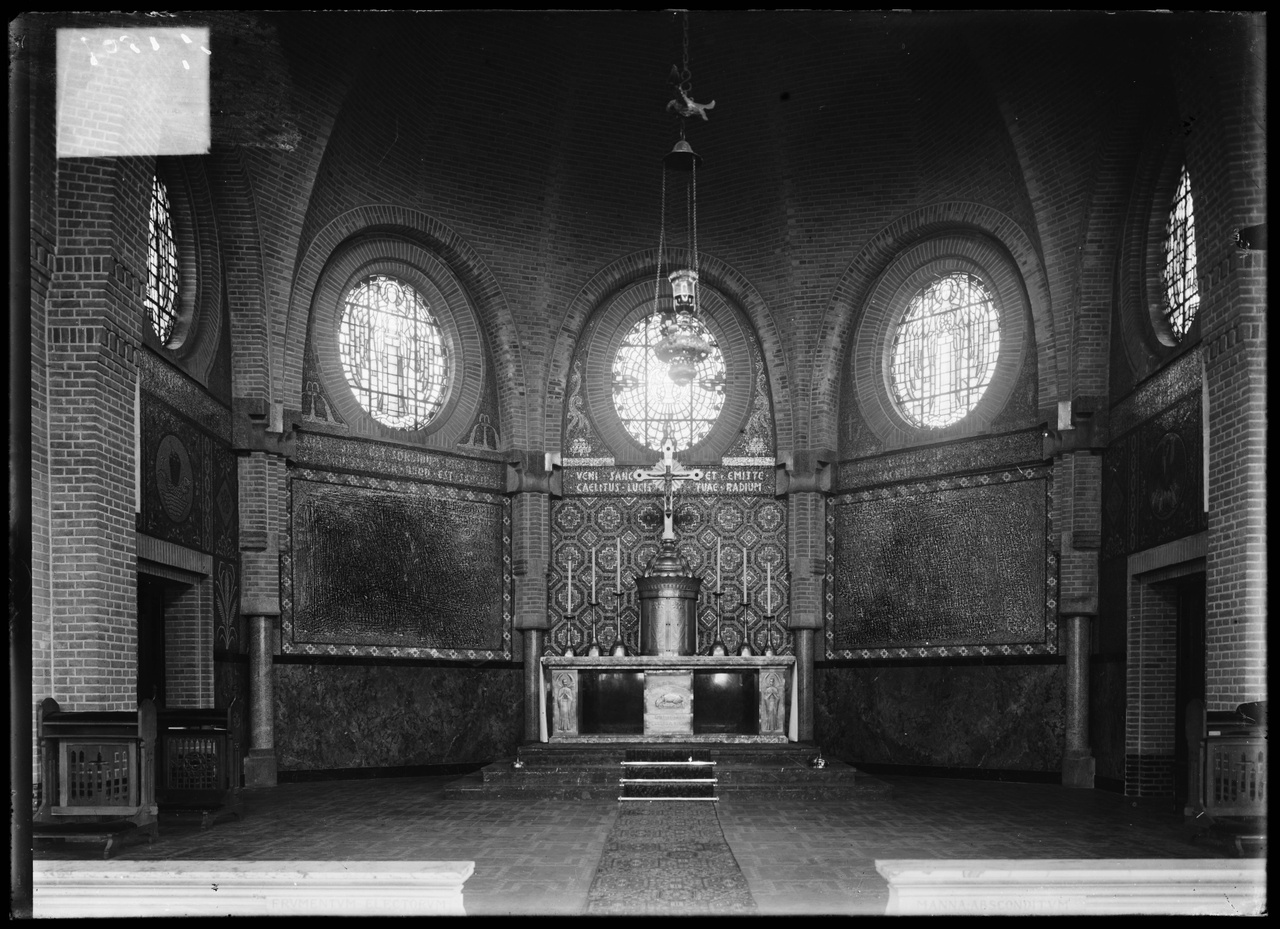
805,479
1077,757
260,765
530,479
264,442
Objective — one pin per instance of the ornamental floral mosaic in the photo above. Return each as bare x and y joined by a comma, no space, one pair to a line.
943,567
396,568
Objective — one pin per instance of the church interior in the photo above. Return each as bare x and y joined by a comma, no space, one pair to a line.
437,424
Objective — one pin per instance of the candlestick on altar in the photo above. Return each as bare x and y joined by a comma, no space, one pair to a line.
745,597
719,586
717,647
619,647
617,584
569,607
768,588
593,579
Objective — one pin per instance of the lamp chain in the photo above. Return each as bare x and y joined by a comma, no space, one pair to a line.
686,82
662,242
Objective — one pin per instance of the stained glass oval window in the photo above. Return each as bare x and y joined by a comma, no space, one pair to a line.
1182,292
945,351
653,407
393,352
161,299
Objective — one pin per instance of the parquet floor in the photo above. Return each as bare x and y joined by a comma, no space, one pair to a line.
798,856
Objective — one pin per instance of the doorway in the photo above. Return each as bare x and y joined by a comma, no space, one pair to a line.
151,601
1188,684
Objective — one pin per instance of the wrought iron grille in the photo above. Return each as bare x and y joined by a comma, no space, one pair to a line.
945,351
1182,292
162,264
654,408
393,352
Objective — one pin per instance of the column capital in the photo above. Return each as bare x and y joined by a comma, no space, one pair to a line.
533,472
260,426
804,471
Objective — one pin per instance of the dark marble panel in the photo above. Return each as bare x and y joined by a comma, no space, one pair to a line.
360,716
231,683
1107,716
1006,717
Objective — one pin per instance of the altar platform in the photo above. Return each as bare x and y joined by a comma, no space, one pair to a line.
593,771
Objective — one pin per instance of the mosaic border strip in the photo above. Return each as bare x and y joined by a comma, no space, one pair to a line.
363,456
1050,644
289,647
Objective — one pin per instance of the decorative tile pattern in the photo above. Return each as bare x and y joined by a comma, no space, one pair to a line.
668,858
583,524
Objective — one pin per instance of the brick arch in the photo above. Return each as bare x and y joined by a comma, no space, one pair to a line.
251,347
1100,254
851,293
454,253
642,266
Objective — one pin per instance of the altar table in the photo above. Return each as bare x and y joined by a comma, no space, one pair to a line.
669,693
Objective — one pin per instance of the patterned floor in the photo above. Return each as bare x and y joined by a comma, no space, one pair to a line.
797,856
668,858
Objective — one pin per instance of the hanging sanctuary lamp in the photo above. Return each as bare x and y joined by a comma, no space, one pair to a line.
681,348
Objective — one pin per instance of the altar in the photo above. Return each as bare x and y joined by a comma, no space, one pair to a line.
666,705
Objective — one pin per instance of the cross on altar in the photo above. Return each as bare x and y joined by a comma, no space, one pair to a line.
669,471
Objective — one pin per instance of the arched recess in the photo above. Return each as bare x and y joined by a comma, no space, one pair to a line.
1145,341
642,266
847,301
375,253
196,334
889,298
445,246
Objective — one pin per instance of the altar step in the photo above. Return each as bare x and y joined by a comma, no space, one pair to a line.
591,771
662,774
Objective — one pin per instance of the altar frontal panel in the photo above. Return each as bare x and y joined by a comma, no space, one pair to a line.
398,568
953,567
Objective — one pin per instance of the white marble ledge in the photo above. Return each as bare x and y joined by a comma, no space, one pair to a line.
248,888
1071,886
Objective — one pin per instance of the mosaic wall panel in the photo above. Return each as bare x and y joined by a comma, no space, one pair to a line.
951,566
190,496
1153,481
336,716
382,567
603,507
942,715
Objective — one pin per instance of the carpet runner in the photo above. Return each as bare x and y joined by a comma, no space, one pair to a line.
664,858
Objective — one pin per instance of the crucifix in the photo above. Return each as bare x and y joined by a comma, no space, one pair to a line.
669,471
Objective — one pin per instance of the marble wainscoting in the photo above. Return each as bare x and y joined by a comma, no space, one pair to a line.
338,716
999,717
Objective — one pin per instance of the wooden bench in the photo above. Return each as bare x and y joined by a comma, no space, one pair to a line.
97,774
248,888
198,763
1077,886
1233,772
